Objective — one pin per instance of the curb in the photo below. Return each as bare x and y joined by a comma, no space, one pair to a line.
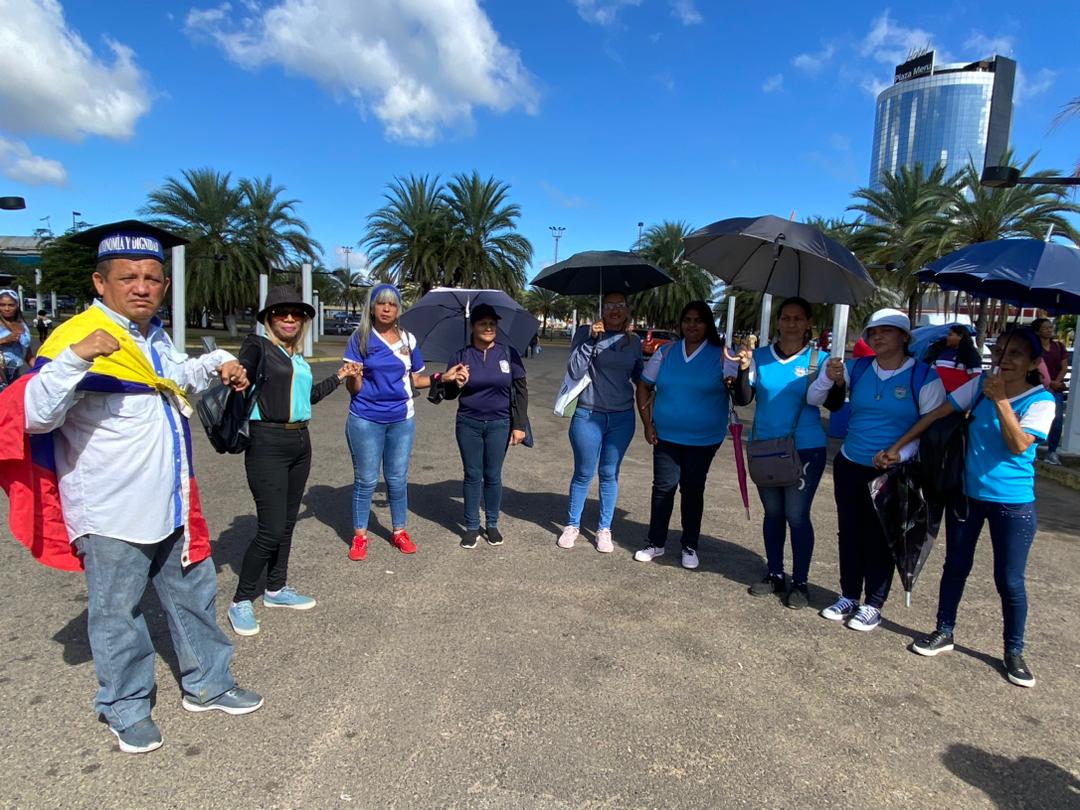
1062,474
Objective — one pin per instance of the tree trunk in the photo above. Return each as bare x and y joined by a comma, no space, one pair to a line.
913,307
230,324
543,327
980,324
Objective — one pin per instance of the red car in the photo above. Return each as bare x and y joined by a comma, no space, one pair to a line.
653,339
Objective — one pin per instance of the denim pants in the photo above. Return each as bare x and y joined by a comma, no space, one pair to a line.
790,507
1053,438
483,448
1012,531
277,464
373,445
686,467
599,441
866,560
116,576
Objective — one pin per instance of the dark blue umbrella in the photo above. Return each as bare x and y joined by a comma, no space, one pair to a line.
598,272
923,337
440,321
1026,272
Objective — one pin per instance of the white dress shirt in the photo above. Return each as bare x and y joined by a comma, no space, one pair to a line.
123,464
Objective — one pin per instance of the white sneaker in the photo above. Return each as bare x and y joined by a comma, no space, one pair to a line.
603,541
568,536
648,554
689,558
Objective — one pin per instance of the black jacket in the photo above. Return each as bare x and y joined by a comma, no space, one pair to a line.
271,371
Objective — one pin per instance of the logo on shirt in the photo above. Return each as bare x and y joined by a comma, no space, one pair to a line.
900,391
800,371
504,366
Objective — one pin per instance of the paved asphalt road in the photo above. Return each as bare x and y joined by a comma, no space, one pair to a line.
528,676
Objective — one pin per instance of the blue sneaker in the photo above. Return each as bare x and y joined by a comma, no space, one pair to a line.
866,619
841,609
139,738
242,618
288,598
235,701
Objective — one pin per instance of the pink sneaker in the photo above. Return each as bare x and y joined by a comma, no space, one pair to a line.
567,538
603,541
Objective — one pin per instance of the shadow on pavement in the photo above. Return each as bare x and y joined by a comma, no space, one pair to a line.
1022,782
332,506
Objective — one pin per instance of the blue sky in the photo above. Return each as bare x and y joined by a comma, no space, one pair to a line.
598,113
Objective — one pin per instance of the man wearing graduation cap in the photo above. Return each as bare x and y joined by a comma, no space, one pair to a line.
110,389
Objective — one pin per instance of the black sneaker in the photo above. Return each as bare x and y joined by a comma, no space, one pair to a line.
1017,670
768,586
936,642
469,538
797,596
494,536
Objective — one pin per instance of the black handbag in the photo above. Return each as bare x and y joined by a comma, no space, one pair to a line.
942,448
226,414
776,462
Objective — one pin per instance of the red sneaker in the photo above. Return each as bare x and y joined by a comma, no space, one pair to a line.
359,547
404,542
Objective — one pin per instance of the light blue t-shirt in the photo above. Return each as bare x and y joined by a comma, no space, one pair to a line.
691,404
992,472
300,393
780,386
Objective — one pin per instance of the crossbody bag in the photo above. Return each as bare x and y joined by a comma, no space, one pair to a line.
776,462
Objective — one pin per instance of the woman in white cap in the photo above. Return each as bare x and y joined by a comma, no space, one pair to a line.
888,393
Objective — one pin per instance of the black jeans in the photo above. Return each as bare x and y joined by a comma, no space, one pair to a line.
865,557
686,467
277,463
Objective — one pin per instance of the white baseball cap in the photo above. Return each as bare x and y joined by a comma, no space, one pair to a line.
889,317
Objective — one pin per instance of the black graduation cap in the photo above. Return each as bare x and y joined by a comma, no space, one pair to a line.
128,239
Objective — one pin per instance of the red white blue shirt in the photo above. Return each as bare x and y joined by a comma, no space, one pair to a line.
385,396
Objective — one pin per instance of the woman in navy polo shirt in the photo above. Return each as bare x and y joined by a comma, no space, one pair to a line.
779,376
683,404
1011,414
888,394
380,428
493,402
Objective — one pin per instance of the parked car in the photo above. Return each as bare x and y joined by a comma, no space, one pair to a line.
336,326
653,339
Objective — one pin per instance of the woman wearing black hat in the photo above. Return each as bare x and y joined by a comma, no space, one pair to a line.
488,380
279,457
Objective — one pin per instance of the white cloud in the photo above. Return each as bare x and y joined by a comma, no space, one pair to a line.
1028,87
982,45
52,83
890,43
602,12
773,84
874,86
686,12
421,67
812,63
18,163
356,260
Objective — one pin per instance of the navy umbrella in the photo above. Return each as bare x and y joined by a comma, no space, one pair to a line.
440,321
1026,272
598,272
780,257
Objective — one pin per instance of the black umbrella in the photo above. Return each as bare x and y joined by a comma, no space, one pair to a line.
440,321
779,257
598,272
909,523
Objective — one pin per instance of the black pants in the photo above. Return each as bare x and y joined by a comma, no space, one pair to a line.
277,463
865,557
686,467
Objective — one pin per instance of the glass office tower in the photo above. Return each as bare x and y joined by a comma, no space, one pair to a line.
948,114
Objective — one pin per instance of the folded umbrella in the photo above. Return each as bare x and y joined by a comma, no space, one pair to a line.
735,427
909,524
440,321
598,272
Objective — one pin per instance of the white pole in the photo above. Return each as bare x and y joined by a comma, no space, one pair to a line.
766,318
37,289
52,301
1070,431
22,295
179,298
729,335
839,330
317,324
305,282
264,288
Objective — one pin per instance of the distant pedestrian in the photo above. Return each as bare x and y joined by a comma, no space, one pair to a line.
954,357
1056,358
43,323
14,337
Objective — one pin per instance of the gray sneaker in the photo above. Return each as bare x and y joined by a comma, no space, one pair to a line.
235,701
1053,458
139,738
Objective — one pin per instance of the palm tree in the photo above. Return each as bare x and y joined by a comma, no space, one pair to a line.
1069,110
542,303
661,306
354,285
906,219
274,235
492,254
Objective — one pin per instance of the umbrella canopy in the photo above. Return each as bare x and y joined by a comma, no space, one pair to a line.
1026,272
780,257
440,321
735,426
906,519
923,337
598,272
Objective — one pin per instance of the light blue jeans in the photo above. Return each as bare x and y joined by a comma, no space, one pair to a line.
116,575
599,441
373,445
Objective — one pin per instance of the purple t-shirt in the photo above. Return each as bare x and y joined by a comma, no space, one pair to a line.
487,394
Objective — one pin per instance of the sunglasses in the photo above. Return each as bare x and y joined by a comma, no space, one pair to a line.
614,305
288,312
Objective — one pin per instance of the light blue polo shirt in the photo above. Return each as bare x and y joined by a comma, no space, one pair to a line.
691,404
780,386
992,472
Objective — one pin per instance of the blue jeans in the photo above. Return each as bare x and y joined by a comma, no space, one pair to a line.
116,575
483,448
1012,531
790,506
599,441
1053,438
373,445
686,467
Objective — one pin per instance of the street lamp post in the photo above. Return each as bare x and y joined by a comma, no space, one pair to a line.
348,253
640,235
556,234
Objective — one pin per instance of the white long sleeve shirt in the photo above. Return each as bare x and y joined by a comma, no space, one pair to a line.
122,460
